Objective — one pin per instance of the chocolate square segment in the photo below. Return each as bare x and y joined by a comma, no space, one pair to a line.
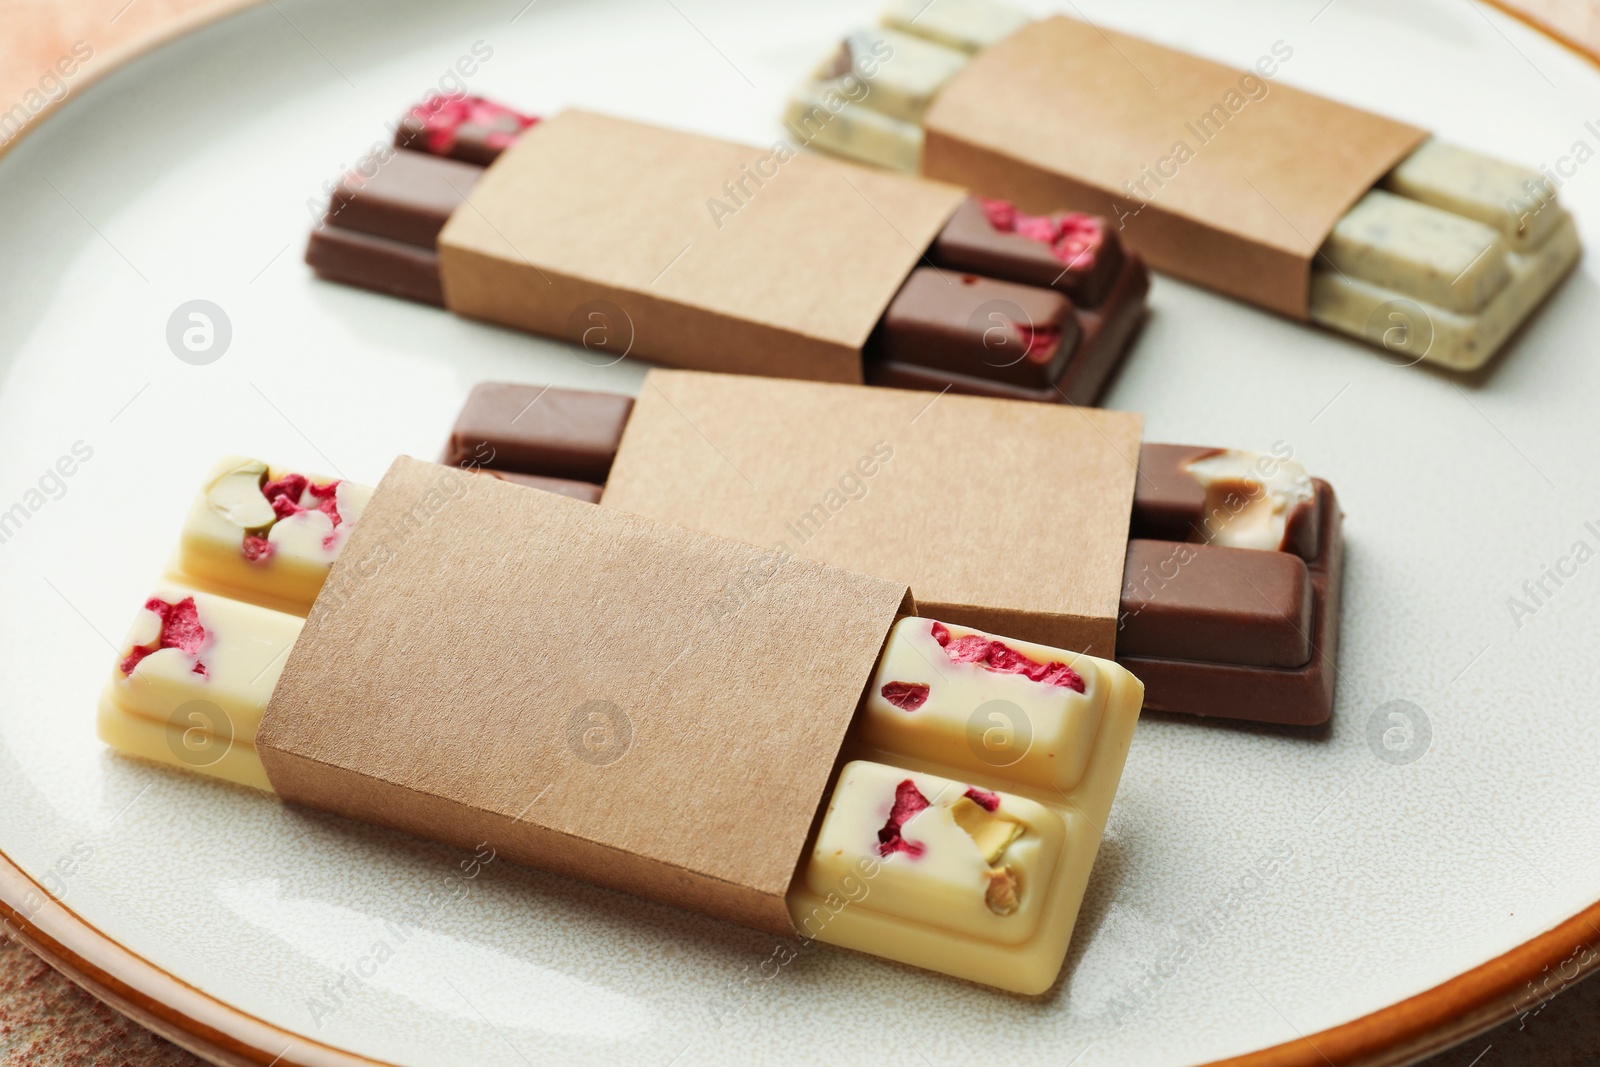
409,198
378,263
1074,253
535,429
1214,604
980,327
469,128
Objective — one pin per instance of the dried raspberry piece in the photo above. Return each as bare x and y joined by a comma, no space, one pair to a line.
1058,674
968,649
284,494
200,669
1078,239
327,500
443,117
1035,228
1074,238
983,798
1002,214
907,696
180,629
1001,658
1040,342
908,800
134,658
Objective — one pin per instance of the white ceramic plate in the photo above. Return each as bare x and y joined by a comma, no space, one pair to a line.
1254,886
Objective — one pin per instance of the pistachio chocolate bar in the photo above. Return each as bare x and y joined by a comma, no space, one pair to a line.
1230,595
961,828
1010,304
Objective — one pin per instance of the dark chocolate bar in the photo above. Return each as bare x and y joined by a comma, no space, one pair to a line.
1245,630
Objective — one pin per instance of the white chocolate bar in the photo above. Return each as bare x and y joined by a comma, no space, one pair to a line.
163,742
963,845
272,551
866,100
1446,259
192,679
1422,252
1514,200
928,700
1415,331
821,117
900,73
963,838
970,25
1250,498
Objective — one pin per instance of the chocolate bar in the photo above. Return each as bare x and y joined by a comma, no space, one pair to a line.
977,848
1230,597
471,129
1019,306
1009,287
1019,334
970,25
380,231
1437,264
1231,591
1070,251
1442,262
555,433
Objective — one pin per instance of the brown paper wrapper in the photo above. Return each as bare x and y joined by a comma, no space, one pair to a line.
1064,115
1005,515
574,685
604,232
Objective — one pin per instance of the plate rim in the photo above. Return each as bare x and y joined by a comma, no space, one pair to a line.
1445,1015
1436,1019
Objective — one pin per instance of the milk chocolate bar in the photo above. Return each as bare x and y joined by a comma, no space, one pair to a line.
1441,262
1006,289
555,433
1019,334
380,231
1231,591
472,129
1076,253
1230,597
1026,307
977,847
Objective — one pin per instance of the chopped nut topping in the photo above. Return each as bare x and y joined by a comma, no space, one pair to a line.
1002,895
992,833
